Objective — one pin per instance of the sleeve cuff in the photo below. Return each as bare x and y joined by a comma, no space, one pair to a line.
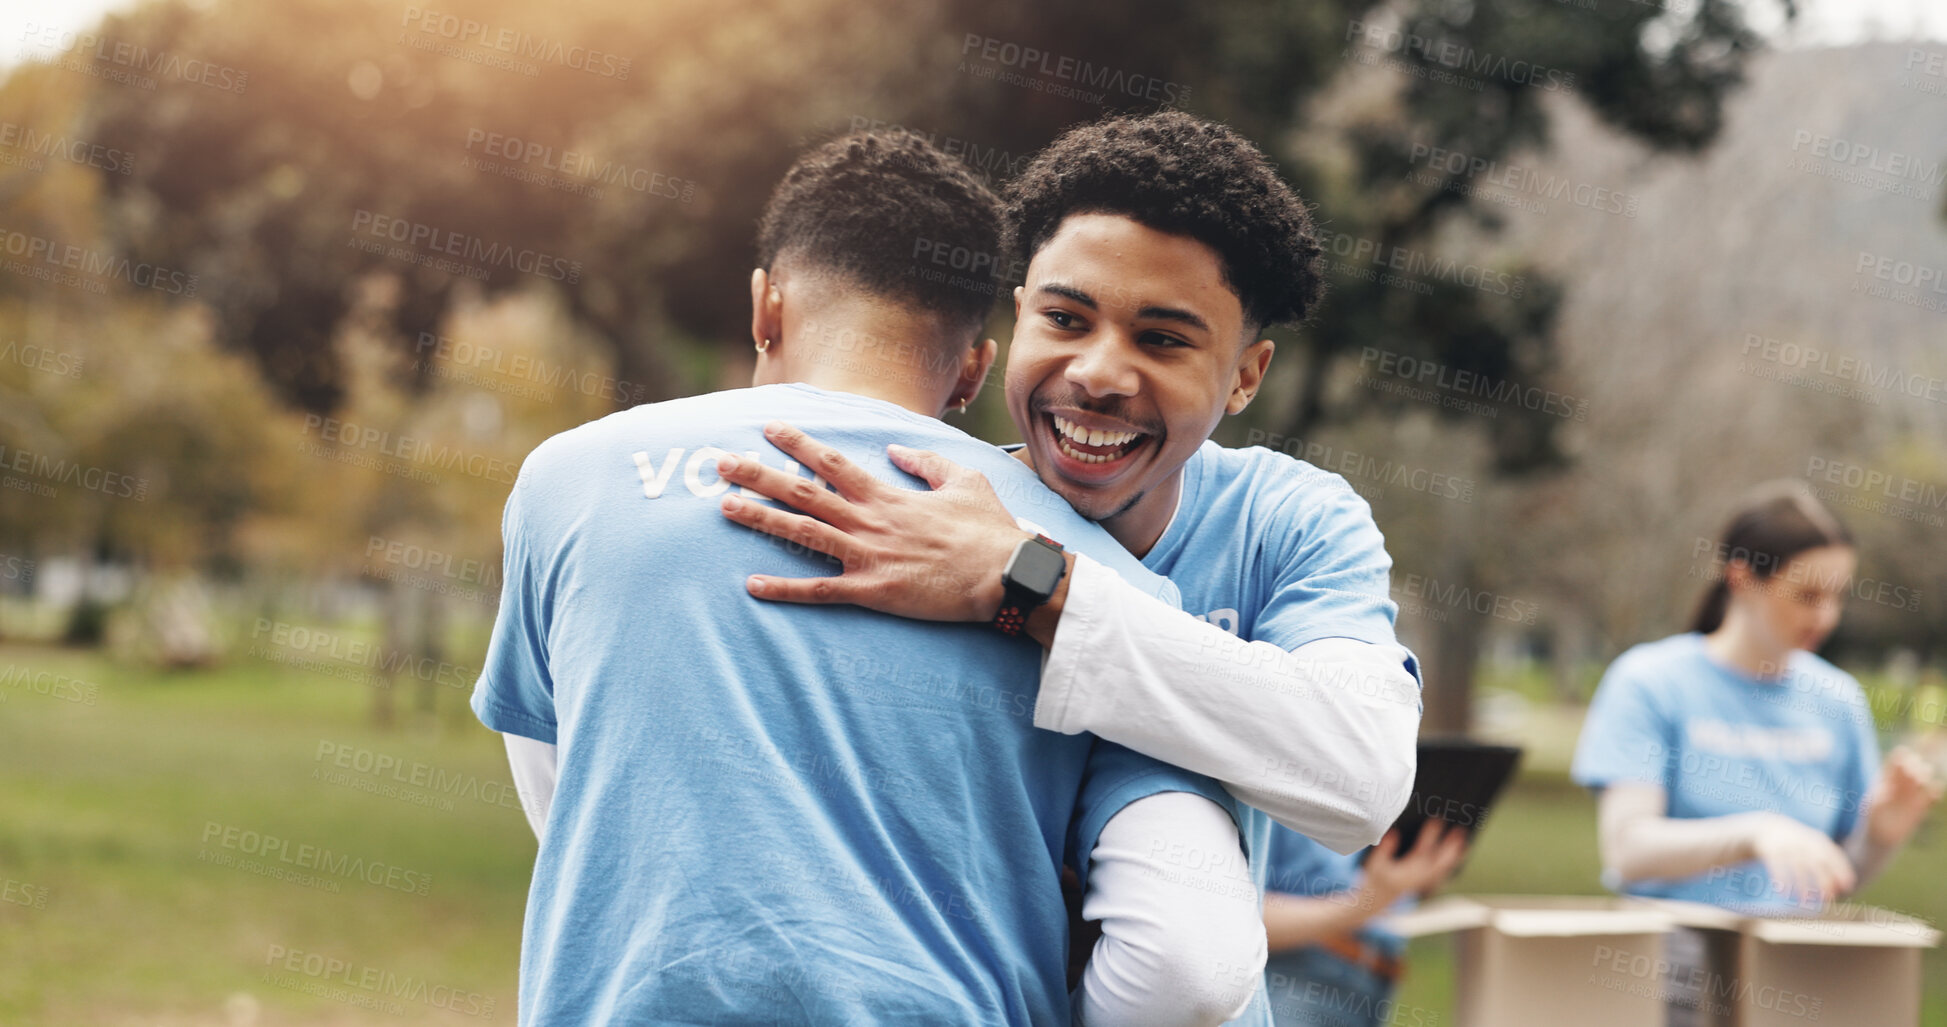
1061,676
510,721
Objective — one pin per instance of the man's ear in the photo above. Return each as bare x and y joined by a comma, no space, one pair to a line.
1249,376
973,371
766,310
1019,291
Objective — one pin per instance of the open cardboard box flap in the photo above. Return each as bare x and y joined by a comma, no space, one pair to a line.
1847,925
1531,916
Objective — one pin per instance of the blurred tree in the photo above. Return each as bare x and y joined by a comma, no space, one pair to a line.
620,154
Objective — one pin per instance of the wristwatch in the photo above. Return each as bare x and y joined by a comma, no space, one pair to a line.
1029,580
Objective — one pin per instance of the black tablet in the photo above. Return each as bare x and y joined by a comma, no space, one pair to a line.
1457,782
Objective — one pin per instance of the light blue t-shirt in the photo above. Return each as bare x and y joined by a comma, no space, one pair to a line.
1721,742
1276,550
772,813
1297,865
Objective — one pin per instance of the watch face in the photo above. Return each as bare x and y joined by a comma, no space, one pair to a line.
1035,568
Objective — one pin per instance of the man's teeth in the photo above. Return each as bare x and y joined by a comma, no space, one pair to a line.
1091,436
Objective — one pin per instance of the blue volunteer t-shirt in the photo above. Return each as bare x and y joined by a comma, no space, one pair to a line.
1720,742
773,813
1301,866
1273,549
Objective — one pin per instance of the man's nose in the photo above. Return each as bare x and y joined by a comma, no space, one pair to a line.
1104,368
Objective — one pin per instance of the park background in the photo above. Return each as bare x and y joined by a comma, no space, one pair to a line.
1596,267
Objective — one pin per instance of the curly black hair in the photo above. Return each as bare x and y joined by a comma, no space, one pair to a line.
1180,174
895,216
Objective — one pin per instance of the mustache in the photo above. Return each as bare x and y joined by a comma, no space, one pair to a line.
1075,399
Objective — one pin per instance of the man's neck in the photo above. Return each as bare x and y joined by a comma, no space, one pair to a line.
853,349
1141,526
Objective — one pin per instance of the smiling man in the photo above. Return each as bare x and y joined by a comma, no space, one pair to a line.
1158,248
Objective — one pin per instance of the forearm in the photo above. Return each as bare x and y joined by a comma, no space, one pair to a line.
1180,944
1322,738
1640,842
1292,921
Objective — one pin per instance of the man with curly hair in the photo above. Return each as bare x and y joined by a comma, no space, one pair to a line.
1158,248
782,815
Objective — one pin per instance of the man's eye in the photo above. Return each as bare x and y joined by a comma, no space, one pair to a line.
1062,318
1159,339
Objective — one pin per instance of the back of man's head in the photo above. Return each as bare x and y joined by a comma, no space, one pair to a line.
870,209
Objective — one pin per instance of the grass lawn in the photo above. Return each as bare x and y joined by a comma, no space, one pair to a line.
113,912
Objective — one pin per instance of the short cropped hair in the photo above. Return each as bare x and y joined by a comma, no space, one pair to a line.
871,207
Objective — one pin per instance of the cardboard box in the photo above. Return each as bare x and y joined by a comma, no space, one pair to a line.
1851,965
1540,961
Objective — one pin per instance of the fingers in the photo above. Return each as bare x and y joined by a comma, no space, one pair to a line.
1453,849
810,591
926,465
789,489
795,528
851,480
1429,839
1388,846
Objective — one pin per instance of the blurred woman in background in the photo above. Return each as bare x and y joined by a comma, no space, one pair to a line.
1734,766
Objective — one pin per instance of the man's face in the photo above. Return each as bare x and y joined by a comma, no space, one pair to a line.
1128,349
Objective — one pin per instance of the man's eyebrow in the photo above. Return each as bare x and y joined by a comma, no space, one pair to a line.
1070,292
1172,314
1154,313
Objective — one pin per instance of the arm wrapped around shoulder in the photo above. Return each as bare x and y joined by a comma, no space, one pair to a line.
1322,738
